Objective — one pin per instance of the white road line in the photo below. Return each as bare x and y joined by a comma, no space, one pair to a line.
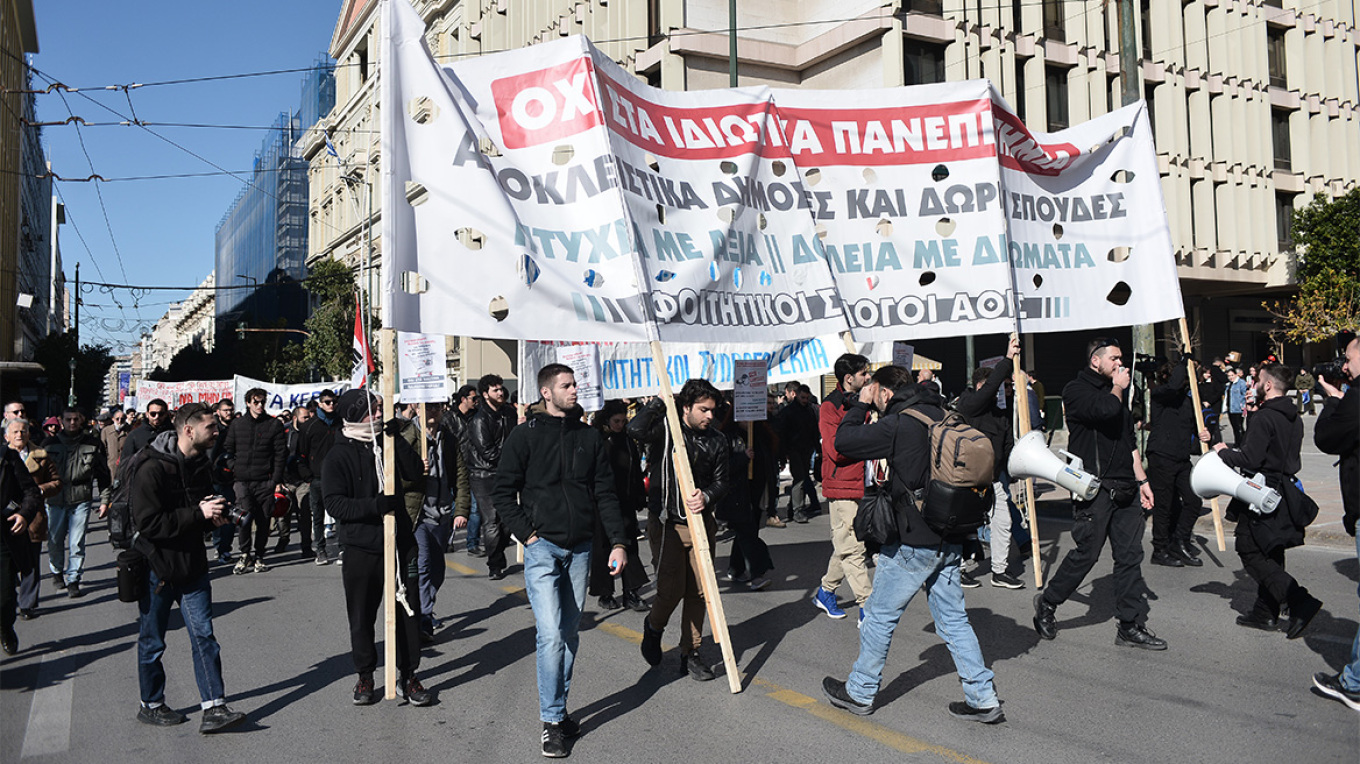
49,718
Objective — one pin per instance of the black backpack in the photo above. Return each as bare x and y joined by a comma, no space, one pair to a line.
121,528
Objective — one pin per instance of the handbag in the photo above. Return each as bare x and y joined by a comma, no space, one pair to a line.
875,522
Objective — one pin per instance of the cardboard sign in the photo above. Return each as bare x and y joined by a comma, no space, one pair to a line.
750,391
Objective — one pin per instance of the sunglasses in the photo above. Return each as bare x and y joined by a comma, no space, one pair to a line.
1100,343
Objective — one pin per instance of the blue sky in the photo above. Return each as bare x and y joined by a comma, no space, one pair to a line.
163,229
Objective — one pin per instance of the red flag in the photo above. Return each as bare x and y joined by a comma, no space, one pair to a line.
363,360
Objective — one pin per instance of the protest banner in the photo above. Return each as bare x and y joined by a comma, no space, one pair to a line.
584,360
422,368
749,391
176,394
280,398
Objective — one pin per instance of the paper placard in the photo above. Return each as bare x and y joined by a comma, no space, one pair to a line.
903,354
749,390
584,361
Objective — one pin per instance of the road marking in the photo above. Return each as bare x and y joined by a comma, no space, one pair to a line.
792,698
49,717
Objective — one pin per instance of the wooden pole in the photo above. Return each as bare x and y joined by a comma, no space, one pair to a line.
425,440
751,444
1021,403
387,344
1199,425
698,532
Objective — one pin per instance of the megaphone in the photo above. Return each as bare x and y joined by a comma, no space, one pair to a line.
1031,458
1211,477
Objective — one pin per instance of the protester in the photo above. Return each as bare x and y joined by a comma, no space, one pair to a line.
741,508
353,491
258,447
1237,401
553,484
1338,432
1271,447
927,380
1173,440
296,490
843,487
487,431
81,462
172,504
224,484
456,420
796,424
676,562
1100,431
919,559
20,502
315,440
15,410
1304,385
625,461
28,557
113,437
157,422
444,507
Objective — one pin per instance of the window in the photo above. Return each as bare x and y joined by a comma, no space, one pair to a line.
1145,11
931,7
654,32
361,58
1148,91
1276,57
923,63
1054,26
1284,221
1020,90
1055,84
1279,138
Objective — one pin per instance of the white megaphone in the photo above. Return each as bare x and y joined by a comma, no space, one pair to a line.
1031,458
1211,477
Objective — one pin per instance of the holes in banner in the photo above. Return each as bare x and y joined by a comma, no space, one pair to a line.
664,276
416,194
813,176
1120,254
927,278
884,228
651,162
945,227
736,278
726,214
470,238
778,168
761,222
422,110
488,146
765,278
728,167
1057,231
714,272
563,154
1122,176
660,214
528,270
939,173
821,231
870,177
1120,294
498,308
593,278
871,282
413,283
1038,281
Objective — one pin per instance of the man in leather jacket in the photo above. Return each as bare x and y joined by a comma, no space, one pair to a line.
487,430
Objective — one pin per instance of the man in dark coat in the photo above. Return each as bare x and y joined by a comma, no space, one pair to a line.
796,424
1173,440
313,444
259,450
20,502
157,421
487,430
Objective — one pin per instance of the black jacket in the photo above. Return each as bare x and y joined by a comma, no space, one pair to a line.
259,447
142,435
905,442
350,485
487,432
1173,417
797,428
625,459
1100,428
164,498
978,408
17,487
553,478
456,422
708,459
1337,431
314,442
1273,441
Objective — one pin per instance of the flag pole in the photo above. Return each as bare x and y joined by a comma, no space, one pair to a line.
389,389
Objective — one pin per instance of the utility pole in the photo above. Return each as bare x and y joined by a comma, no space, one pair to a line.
732,43
75,332
1131,91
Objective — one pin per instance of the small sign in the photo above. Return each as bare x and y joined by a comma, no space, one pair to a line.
749,390
903,354
584,361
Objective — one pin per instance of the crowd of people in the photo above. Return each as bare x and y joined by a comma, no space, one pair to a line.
580,492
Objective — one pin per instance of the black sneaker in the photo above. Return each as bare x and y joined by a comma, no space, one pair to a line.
1167,559
1044,622
569,726
9,642
633,601
608,602
218,718
363,692
1330,685
496,574
1007,581
651,644
961,710
554,741
1138,636
834,691
694,665
73,590
412,691
967,581
475,551
58,582
1300,614
160,716
28,613
1254,620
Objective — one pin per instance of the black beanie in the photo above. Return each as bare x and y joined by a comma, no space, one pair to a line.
355,405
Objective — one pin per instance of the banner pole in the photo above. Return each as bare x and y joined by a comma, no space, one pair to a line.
424,440
751,443
1021,384
387,344
1199,425
708,580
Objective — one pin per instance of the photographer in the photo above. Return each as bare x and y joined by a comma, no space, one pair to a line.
1338,432
172,504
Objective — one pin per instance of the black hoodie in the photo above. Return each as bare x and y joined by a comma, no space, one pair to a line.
164,497
1273,441
1100,427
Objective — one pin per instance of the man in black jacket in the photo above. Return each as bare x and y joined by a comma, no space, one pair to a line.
314,441
1271,447
259,447
455,420
552,483
157,421
223,484
982,408
352,487
1338,432
1100,433
487,430
20,502
172,505
799,436
918,559
676,580
1173,440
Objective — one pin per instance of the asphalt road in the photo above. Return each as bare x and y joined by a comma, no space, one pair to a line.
1220,694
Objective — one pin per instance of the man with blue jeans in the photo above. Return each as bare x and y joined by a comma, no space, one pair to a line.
172,505
916,559
81,462
552,481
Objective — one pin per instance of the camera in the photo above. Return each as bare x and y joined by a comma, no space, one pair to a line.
233,513
1333,371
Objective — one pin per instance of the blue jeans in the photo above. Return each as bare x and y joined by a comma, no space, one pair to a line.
1350,675
556,581
66,539
432,542
195,606
902,571
474,526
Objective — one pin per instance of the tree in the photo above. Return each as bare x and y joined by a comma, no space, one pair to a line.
55,352
329,349
1327,234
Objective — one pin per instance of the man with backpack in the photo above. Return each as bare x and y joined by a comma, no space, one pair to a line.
916,556
1100,431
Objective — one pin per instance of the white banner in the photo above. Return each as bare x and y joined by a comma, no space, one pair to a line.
281,398
423,371
584,360
176,394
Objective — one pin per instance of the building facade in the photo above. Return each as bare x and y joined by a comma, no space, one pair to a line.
1255,108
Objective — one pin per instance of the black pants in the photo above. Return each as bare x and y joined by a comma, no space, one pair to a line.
315,516
634,574
258,498
748,551
9,579
362,575
803,492
1274,585
495,536
1237,428
1175,506
1122,524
